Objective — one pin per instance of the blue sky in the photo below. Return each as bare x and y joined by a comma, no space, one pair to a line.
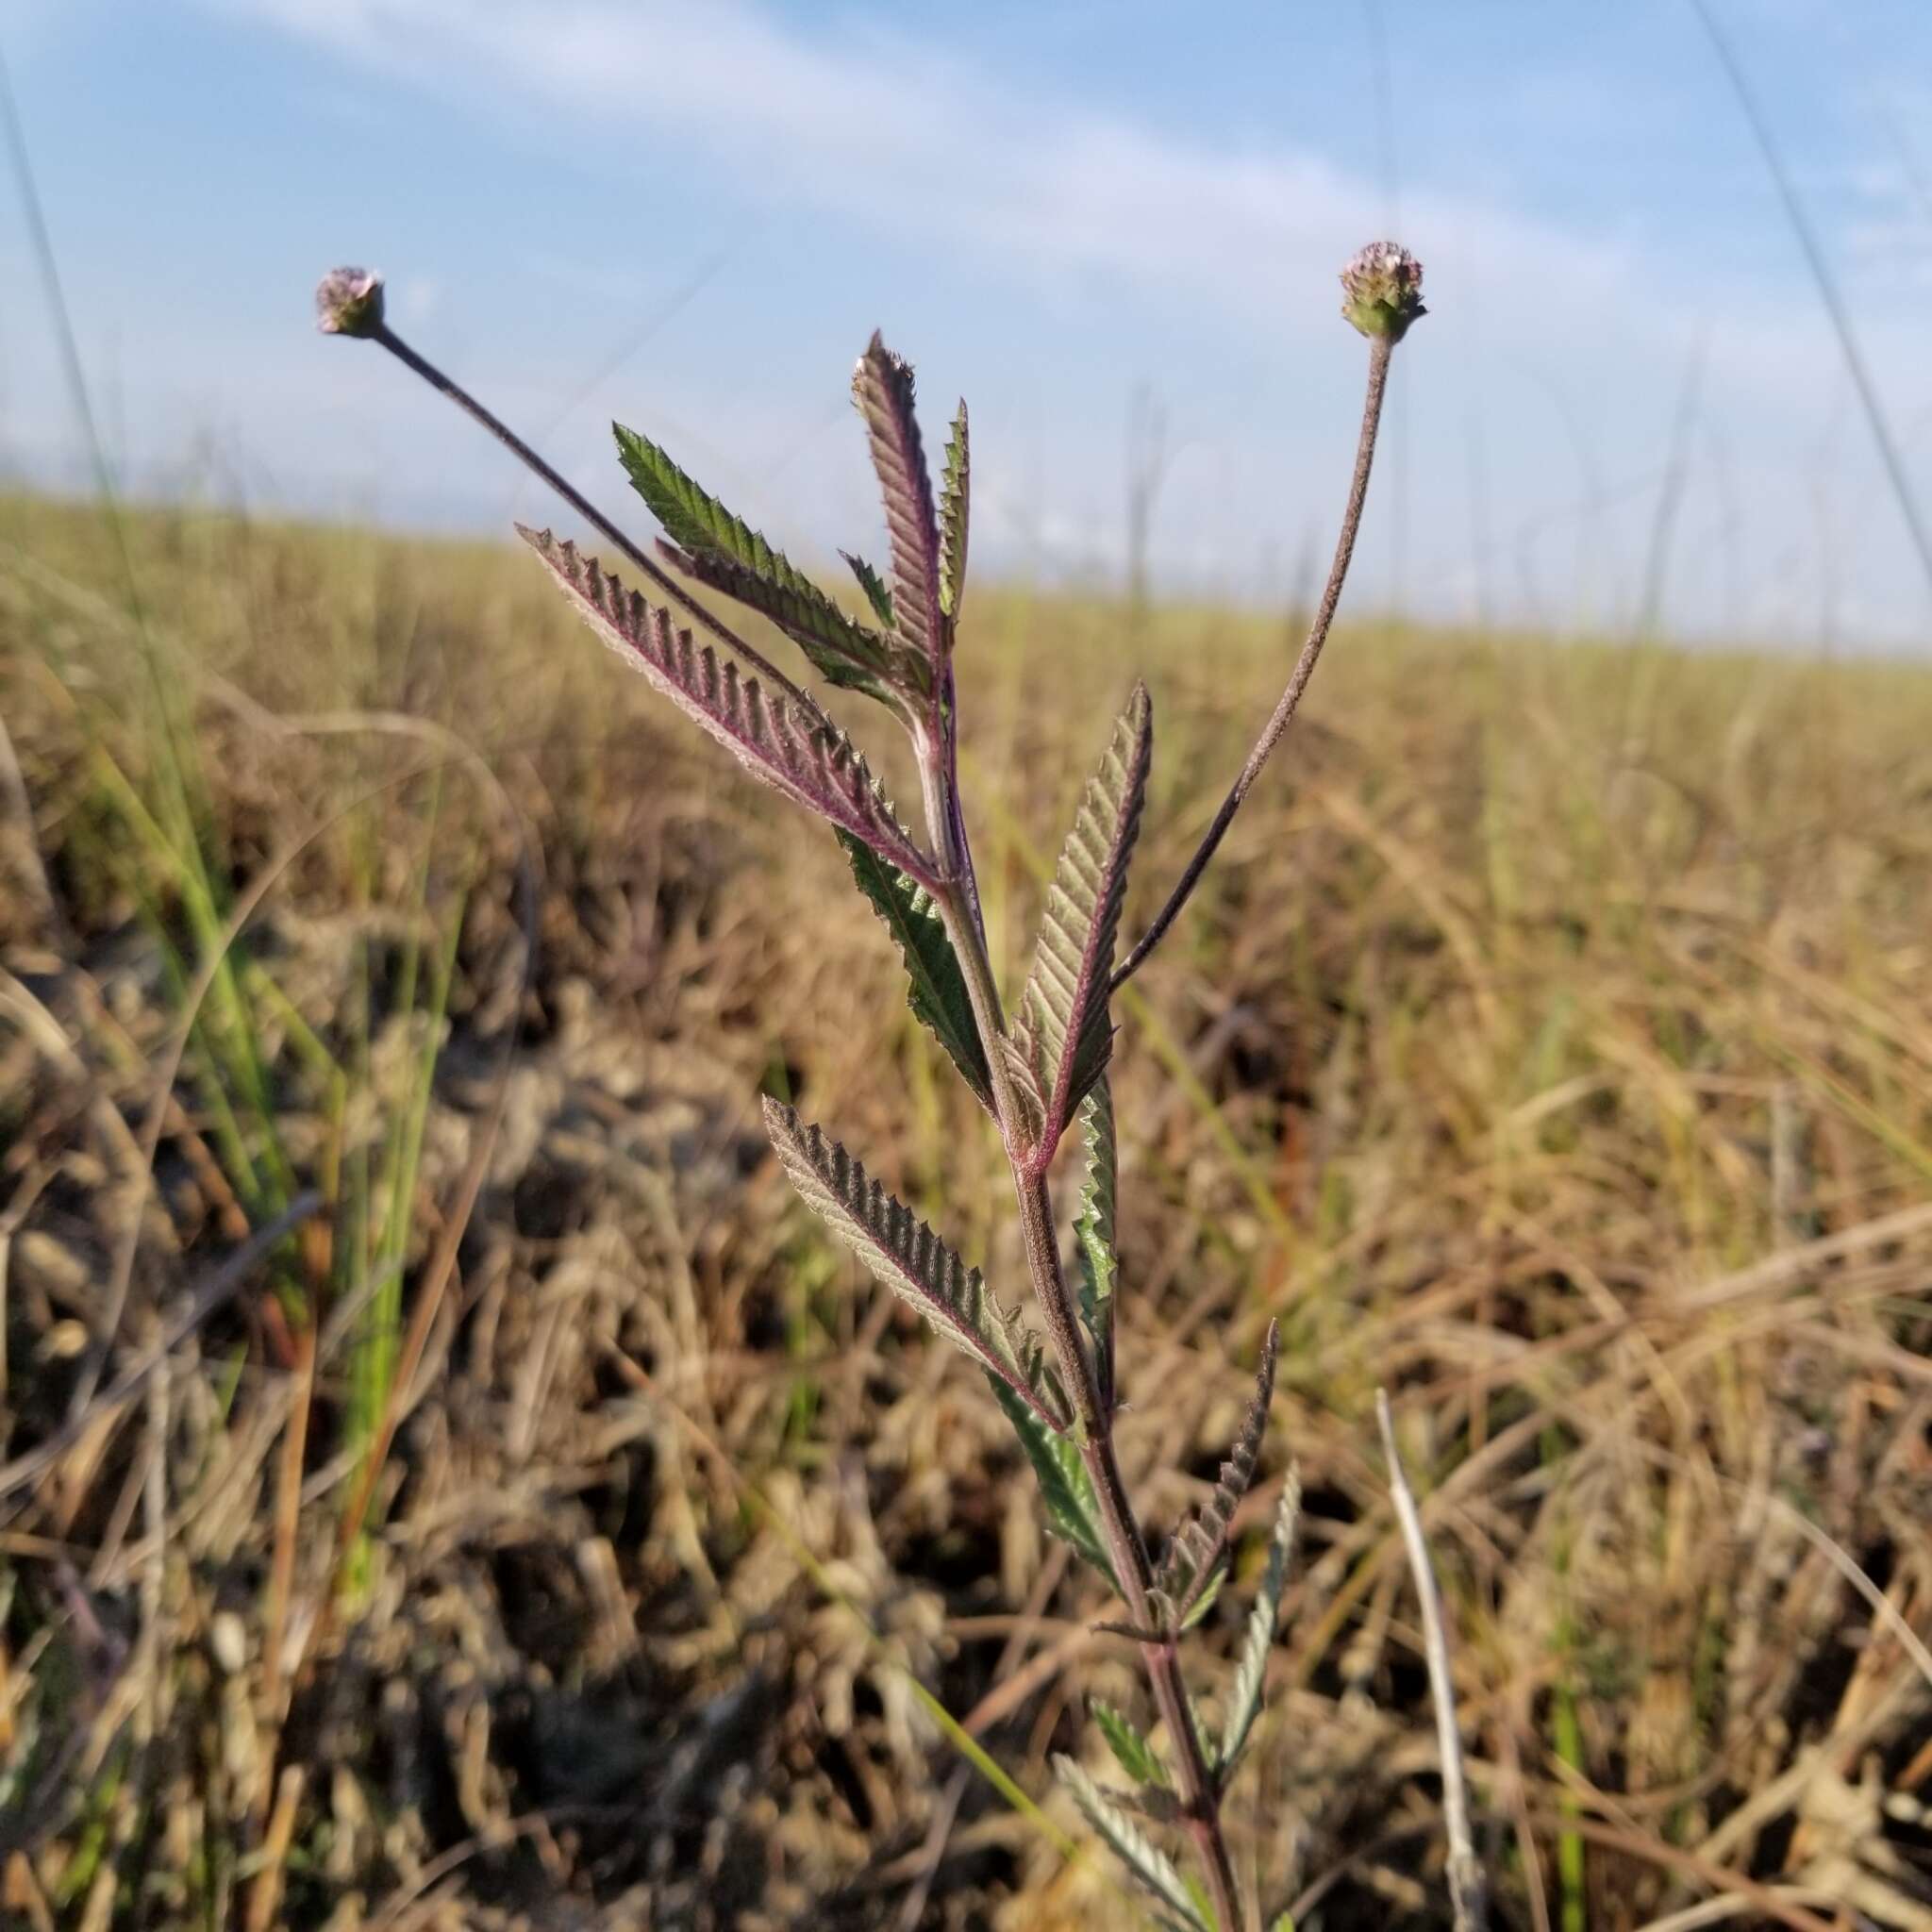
690,216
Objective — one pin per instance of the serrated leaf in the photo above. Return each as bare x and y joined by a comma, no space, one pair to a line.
1131,1750
955,512
1094,1236
1150,1866
1202,1736
1194,1552
937,988
1066,1489
842,651
1064,1030
913,1262
723,551
781,738
694,519
1258,1638
873,585
882,388
1204,1599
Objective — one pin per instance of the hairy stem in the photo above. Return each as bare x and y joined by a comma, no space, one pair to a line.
669,585
1379,349
1199,1797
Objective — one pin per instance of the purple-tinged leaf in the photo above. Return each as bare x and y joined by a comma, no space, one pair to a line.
913,1262
1064,1032
785,739
955,508
882,388
1192,1559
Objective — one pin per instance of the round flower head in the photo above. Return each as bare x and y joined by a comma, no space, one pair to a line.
1382,289
348,302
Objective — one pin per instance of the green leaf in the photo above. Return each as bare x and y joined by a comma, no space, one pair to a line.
1205,1601
915,1264
1064,1031
937,988
1135,1754
877,594
844,653
1191,1557
693,517
723,551
955,498
1094,1236
1073,1513
1151,1867
1251,1668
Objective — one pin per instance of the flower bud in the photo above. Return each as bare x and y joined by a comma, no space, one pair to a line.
1382,289
348,302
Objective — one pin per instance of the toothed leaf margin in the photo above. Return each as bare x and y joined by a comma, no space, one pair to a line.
1065,1032
904,1253
1151,1867
936,991
1258,1638
1194,1552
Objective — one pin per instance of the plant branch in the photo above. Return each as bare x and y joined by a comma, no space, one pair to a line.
1467,1887
1380,347
501,431
1092,1429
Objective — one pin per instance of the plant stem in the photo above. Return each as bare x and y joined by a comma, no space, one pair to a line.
462,397
1379,349
1093,1428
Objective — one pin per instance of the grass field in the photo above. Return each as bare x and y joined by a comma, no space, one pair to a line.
548,1528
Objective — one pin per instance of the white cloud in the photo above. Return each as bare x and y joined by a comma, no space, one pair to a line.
895,135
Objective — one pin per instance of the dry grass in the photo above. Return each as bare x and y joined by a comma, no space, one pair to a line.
1551,1043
